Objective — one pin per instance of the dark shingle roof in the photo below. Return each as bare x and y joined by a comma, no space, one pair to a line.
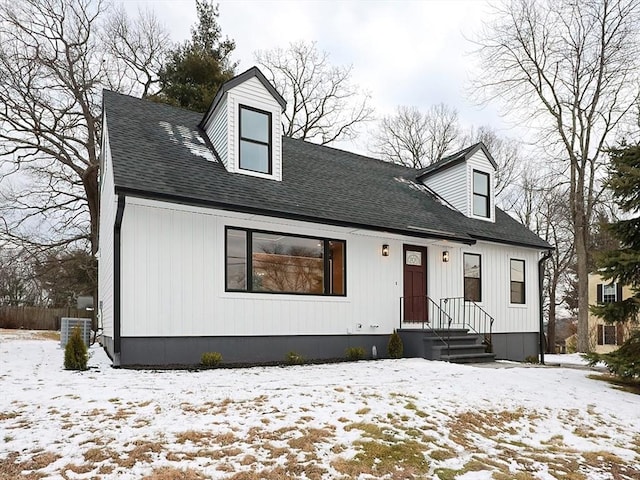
158,151
456,158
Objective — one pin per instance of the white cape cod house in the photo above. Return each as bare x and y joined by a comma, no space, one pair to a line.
219,234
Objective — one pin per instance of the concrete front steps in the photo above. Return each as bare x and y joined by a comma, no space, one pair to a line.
455,345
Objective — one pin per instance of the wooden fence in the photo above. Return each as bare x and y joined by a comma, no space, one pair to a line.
38,318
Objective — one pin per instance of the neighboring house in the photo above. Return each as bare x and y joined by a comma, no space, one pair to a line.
605,338
219,234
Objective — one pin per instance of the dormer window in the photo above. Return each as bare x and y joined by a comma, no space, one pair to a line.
255,140
481,190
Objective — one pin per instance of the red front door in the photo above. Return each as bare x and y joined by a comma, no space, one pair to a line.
415,284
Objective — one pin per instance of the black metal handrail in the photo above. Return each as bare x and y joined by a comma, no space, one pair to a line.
469,315
436,318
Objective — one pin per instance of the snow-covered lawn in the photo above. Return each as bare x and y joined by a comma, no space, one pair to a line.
396,419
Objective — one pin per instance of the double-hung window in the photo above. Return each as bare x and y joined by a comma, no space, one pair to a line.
517,281
472,277
481,192
609,293
270,262
255,140
608,334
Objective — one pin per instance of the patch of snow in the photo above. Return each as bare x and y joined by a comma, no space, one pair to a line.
191,139
250,413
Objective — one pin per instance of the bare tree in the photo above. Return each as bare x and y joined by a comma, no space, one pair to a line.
138,48
540,204
572,68
323,105
416,139
17,286
53,67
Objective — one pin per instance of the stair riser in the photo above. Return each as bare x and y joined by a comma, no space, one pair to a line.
461,351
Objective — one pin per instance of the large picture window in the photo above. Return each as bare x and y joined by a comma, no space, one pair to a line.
472,277
481,193
255,140
269,262
517,281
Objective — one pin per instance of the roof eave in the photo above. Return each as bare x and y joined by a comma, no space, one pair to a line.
234,82
127,191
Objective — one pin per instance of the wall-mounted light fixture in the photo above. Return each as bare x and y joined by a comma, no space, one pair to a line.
385,250
445,256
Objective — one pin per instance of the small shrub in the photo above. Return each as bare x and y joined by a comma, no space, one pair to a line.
75,352
394,348
572,344
294,358
624,362
211,359
531,359
354,353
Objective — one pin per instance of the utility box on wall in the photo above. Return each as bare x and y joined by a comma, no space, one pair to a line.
68,324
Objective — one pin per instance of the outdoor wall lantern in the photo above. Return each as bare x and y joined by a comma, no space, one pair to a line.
385,250
445,256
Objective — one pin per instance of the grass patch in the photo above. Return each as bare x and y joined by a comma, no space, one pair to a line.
451,474
627,385
171,473
442,454
46,335
309,438
401,459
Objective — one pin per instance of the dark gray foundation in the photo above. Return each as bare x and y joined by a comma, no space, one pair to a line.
516,346
165,351
175,351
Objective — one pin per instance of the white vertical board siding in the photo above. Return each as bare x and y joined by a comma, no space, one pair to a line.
108,207
496,286
481,163
452,185
173,279
446,280
217,131
253,94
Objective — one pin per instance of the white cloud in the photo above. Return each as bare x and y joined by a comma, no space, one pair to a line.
403,52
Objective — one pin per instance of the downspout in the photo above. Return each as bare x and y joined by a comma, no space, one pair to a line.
541,263
117,296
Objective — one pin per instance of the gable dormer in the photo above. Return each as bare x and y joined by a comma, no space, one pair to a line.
244,125
466,181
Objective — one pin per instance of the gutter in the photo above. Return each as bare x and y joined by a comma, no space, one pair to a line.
117,294
541,263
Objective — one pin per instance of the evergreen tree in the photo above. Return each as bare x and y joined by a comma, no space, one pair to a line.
75,352
622,265
196,69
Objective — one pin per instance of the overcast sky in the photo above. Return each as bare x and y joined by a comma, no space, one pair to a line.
404,53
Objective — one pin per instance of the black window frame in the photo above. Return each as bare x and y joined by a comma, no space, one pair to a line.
249,263
607,332
269,143
487,197
466,299
523,282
